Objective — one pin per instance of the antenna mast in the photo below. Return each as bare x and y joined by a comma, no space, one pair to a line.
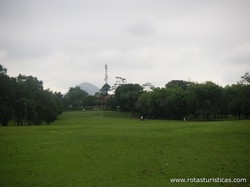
106,74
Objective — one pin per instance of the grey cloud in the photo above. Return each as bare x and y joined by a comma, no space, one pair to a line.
65,42
141,28
239,54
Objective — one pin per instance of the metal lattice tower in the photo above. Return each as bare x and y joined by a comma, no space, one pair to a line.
106,74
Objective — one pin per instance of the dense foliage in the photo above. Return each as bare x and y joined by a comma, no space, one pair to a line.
187,100
126,96
24,100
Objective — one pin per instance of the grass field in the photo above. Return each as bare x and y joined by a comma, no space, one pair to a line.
111,149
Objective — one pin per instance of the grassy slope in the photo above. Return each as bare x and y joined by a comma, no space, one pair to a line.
110,149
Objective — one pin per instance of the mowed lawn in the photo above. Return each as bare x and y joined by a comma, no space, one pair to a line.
111,149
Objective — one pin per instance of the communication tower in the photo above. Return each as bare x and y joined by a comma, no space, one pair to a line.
106,74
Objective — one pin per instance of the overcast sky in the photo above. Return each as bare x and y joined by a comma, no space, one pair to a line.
66,42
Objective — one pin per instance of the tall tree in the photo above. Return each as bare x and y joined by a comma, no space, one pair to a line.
239,100
50,107
126,96
74,98
3,70
58,97
28,104
143,104
208,100
7,97
105,89
245,79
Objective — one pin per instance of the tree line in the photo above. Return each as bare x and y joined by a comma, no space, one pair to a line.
187,100
24,100
179,100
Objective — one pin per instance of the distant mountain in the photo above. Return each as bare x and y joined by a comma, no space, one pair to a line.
88,87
